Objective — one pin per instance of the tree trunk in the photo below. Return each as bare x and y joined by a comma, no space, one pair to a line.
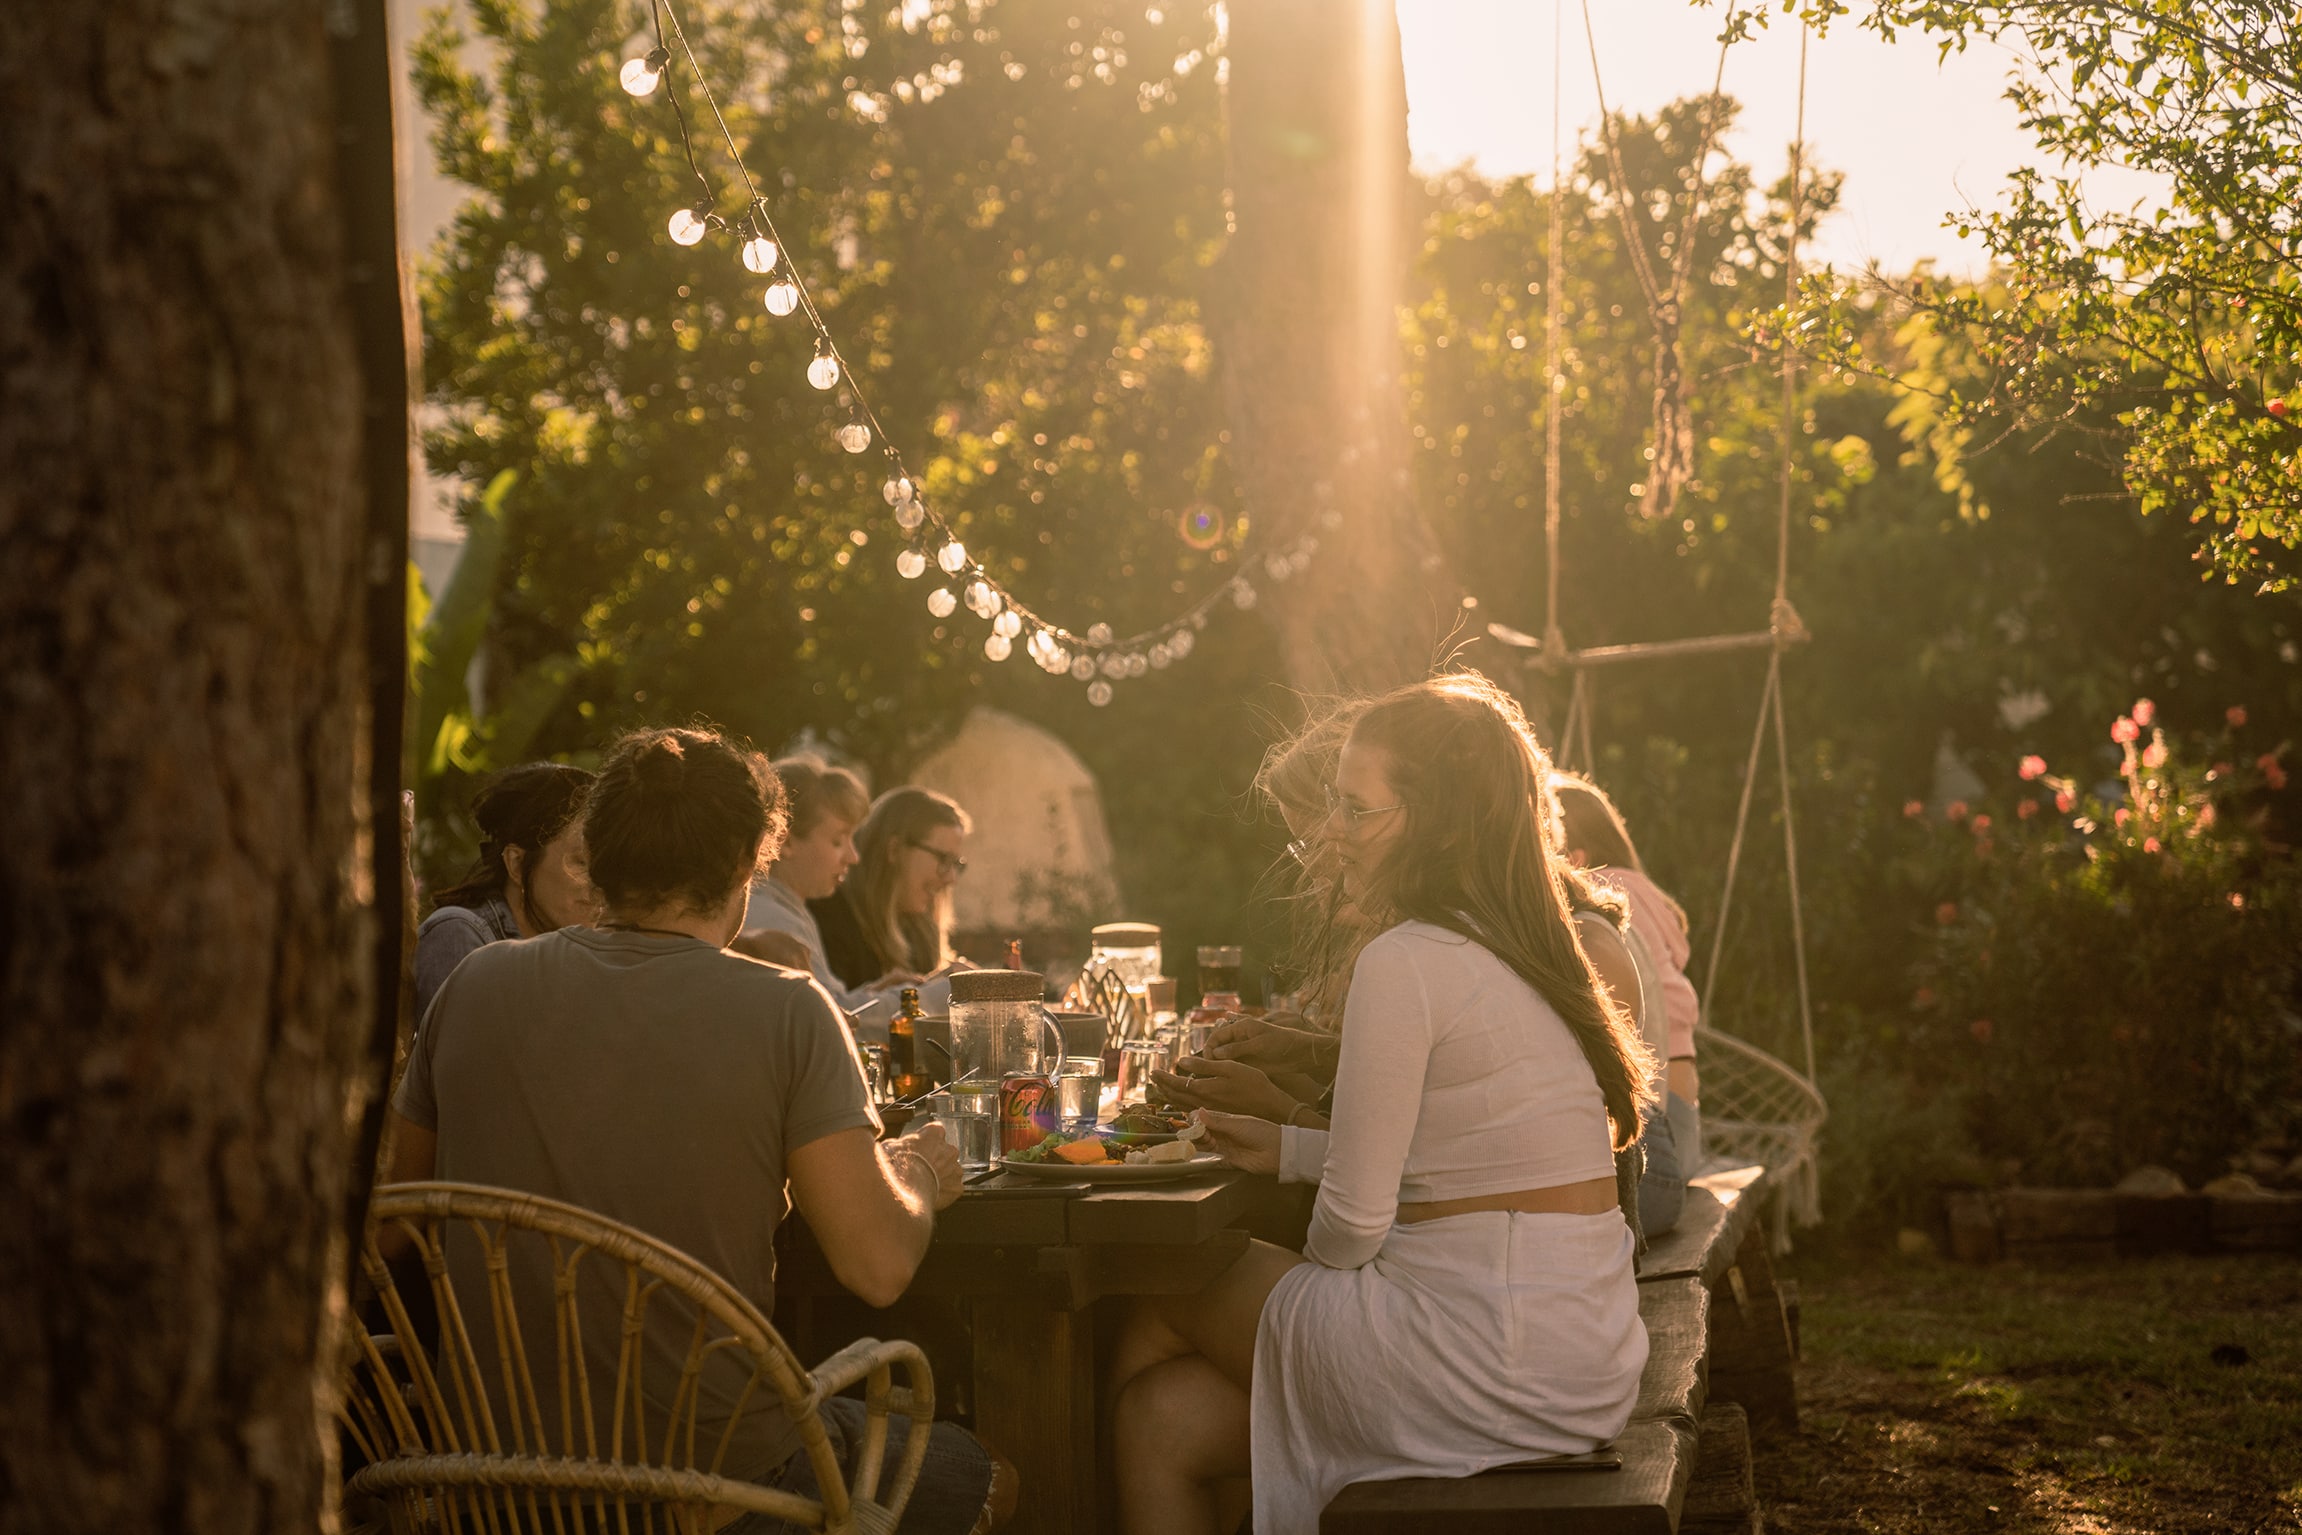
186,925
1307,316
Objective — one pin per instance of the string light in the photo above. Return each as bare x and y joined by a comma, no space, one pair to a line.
823,373
641,76
1096,658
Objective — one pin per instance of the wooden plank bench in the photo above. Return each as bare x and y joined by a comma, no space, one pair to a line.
1706,1292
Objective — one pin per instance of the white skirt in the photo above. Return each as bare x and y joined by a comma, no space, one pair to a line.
1468,1343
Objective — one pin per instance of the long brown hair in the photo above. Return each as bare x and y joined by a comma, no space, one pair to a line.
1294,778
1478,857
899,819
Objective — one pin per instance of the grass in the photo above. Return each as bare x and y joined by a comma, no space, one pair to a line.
1942,1397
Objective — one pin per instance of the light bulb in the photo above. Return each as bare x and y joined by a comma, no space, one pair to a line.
941,603
855,437
897,490
688,225
1082,667
998,647
952,557
981,601
911,564
910,515
1179,643
1160,658
1114,664
1136,665
1242,594
1100,634
782,297
641,76
824,371
759,254
1009,623
1056,662
1099,692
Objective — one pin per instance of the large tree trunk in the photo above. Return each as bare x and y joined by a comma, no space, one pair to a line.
186,935
1316,109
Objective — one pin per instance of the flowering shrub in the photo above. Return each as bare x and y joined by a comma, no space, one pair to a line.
2108,975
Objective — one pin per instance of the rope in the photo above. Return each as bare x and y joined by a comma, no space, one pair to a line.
1554,638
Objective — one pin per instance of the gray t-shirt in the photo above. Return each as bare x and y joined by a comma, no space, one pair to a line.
653,1079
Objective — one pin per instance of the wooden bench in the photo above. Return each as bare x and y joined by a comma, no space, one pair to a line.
1706,1290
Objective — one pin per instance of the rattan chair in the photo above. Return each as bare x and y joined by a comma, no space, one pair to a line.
1757,1108
467,1438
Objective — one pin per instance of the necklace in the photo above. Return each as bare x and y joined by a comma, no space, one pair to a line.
657,932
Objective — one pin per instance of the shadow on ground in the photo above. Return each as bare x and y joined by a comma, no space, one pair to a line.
2140,1396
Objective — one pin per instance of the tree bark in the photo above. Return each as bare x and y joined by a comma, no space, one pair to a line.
1307,316
186,924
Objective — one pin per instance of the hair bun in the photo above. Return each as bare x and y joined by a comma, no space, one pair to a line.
662,763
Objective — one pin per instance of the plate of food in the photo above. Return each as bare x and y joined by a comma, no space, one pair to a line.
1099,1157
1139,1124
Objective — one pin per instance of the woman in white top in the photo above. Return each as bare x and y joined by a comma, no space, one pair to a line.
1468,1299
827,804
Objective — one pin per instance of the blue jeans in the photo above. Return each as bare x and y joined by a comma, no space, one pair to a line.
1663,1186
954,1480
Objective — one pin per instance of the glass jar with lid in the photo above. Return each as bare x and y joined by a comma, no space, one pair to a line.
1131,948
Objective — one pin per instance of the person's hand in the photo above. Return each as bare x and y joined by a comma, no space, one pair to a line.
941,1158
1228,1086
1276,1043
1250,1145
774,947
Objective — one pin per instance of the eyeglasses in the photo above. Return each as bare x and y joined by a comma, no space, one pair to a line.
1337,805
951,864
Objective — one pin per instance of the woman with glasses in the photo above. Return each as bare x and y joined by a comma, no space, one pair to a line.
1465,1299
890,923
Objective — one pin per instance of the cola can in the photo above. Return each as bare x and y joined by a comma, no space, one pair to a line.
1026,1110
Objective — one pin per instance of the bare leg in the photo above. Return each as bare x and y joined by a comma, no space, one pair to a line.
1180,1426
1219,1322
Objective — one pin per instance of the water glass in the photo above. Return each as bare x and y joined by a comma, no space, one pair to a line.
1079,1093
1138,1058
975,1122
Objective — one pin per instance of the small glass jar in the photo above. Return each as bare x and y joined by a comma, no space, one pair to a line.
1131,948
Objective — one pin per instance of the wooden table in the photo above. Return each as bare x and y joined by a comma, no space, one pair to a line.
1032,1258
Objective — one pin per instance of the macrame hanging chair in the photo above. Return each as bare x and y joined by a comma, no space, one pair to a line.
1756,1106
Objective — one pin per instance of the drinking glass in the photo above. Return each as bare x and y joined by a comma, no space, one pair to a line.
975,1119
1079,1093
1138,1058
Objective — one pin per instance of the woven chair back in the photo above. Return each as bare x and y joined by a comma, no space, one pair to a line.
586,1377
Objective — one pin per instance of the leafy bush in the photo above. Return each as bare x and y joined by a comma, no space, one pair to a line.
2105,975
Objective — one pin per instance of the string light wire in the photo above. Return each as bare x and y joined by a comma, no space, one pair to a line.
1097,657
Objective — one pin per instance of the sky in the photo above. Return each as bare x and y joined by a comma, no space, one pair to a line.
1916,139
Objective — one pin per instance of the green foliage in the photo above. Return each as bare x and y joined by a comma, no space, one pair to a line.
2123,955
2173,335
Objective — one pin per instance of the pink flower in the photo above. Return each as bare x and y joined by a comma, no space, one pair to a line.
2273,773
2154,755
2236,715
1981,1030
1924,997
2237,901
2065,801
2032,767
1913,809
2150,844
1946,913
2144,711
2205,816
1955,810
2123,730
1981,824
2026,809
2121,816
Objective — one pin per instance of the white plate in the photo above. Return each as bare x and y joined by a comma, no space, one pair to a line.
1114,1172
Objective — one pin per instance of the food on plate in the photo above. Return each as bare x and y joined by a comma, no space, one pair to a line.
1139,1123
1087,1153
1192,1132
1165,1151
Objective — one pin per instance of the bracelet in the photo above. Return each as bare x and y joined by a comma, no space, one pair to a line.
1296,1110
934,1184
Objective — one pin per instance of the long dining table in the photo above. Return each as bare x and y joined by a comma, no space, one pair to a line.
1031,1263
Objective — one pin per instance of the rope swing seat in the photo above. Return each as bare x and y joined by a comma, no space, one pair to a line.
1756,1106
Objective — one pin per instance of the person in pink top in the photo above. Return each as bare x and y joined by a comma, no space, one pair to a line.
1597,840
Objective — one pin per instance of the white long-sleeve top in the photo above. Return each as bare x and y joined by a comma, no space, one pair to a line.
1456,1080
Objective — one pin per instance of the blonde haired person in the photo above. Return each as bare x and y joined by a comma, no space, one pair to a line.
827,805
1599,842
1467,1260
890,923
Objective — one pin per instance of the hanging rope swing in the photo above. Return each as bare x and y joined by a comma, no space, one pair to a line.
1756,1107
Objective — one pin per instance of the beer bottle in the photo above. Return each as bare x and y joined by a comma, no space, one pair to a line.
905,1080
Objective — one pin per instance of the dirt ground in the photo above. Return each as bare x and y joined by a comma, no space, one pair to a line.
2157,1396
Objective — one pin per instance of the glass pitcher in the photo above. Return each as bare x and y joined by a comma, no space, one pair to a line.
998,1026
